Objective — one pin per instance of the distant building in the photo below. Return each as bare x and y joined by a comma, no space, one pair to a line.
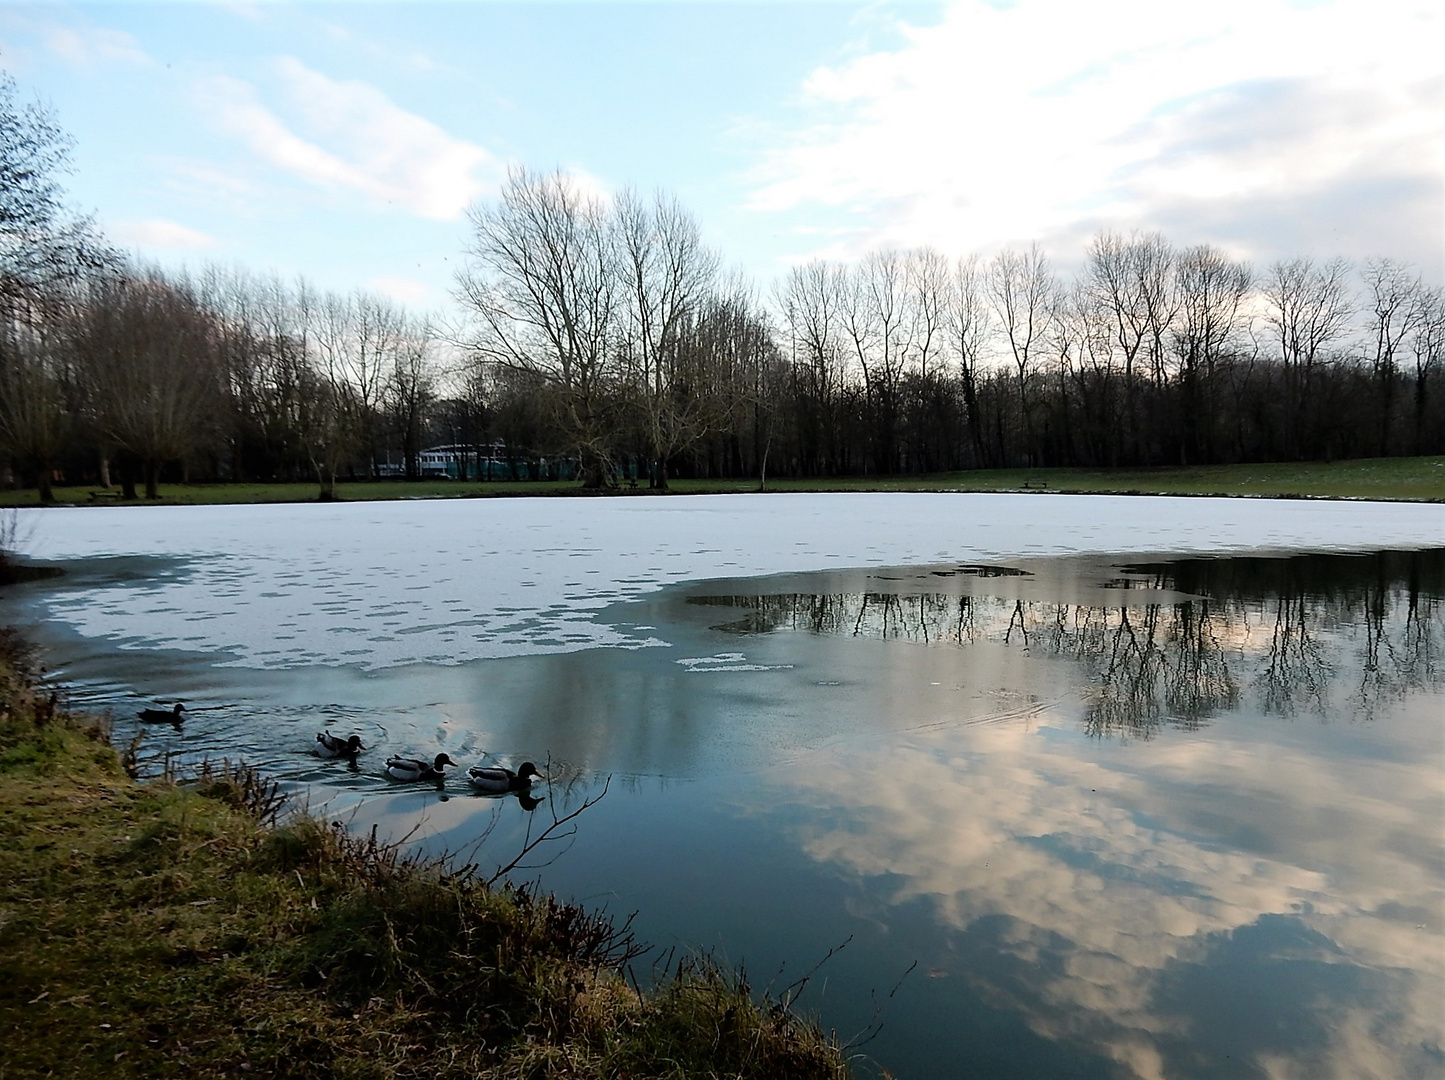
488,461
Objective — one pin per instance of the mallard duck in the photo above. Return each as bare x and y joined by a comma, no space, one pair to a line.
163,716
330,746
495,779
406,768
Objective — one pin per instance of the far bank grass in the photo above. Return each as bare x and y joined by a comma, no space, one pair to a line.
1417,479
163,930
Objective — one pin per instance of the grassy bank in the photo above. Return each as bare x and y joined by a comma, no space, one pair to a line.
162,929
1419,479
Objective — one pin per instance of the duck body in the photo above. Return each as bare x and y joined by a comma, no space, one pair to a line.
331,746
163,716
496,780
410,769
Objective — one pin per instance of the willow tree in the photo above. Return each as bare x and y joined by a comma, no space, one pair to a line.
35,417
149,352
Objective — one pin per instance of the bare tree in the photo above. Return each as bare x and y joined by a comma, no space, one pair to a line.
541,280
149,355
326,419
358,339
811,304
44,249
1130,281
669,274
1396,302
409,390
41,240
1427,346
1212,292
1309,310
878,325
35,420
739,370
1023,294
970,328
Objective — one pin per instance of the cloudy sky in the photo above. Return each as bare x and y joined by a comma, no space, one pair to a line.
345,140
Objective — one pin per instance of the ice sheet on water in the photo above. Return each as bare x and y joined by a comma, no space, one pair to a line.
728,661
385,584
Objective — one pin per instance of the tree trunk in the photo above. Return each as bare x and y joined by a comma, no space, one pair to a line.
594,471
153,475
126,463
42,482
1421,442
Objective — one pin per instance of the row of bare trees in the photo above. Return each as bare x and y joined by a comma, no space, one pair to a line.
105,363
603,332
611,321
1147,355
324,384
125,371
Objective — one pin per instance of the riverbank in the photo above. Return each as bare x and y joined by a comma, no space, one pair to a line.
157,929
1416,479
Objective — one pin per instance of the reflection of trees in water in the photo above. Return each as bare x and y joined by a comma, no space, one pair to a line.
1165,664
1297,674
1291,629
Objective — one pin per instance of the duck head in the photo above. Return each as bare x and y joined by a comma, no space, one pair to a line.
441,760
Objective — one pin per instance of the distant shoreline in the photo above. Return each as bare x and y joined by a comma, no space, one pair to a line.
1417,479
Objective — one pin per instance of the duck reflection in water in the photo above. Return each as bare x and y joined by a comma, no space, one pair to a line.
496,780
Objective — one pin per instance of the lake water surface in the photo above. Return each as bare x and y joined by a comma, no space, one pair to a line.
1071,807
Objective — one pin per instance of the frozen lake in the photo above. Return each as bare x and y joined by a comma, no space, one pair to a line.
1115,811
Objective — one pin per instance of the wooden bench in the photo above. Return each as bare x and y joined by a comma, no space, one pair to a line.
106,495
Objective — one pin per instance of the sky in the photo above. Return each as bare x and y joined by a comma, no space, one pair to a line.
344,141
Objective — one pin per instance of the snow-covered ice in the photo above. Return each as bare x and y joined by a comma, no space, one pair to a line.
383,584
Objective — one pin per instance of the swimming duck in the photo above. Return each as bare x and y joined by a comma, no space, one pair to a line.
163,716
405,768
330,746
496,780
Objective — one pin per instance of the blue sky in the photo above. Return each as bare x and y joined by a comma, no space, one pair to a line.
344,140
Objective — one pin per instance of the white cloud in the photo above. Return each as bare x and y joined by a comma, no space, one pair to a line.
348,135
79,44
157,233
1046,120
88,46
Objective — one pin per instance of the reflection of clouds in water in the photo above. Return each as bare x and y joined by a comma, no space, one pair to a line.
1115,881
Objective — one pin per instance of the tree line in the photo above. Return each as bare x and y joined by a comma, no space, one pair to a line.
601,338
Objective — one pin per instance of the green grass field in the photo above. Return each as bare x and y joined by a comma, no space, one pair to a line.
1417,479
